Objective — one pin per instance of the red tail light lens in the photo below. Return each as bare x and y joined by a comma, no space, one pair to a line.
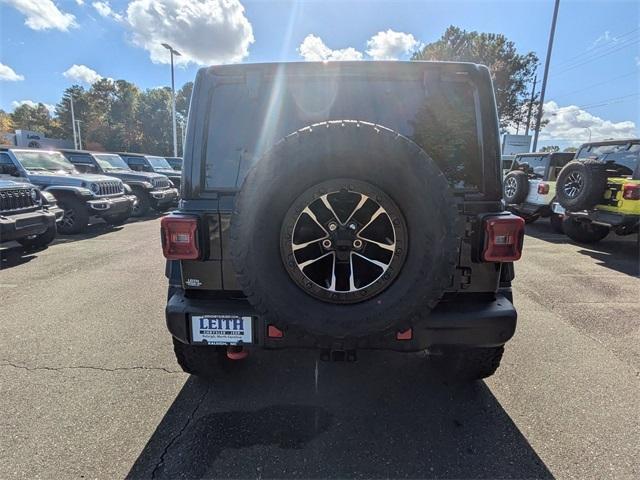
631,191
179,237
543,188
504,236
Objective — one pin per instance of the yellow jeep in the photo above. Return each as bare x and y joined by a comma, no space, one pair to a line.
599,191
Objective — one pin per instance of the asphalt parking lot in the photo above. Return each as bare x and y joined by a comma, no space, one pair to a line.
89,387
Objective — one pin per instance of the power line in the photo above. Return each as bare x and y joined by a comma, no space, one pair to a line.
635,72
608,101
597,49
619,47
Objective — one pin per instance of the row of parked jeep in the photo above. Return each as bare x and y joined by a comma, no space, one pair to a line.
586,195
44,192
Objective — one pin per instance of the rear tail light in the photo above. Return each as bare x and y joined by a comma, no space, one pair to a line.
543,188
503,238
631,191
179,237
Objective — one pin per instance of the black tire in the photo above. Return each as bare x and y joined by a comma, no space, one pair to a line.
584,232
143,205
118,219
202,361
76,215
515,187
581,184
556,222
354,153
466,365
40,241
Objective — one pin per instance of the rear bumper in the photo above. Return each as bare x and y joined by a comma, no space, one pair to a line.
465,324
22,225
165,197
111,206
602,217
532,209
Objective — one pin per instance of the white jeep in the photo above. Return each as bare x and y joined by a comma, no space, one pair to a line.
530,186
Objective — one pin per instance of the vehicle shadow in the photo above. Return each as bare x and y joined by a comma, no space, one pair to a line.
619,253
286,415
14,256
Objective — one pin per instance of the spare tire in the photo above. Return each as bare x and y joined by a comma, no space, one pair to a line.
515,187
581,184
345,229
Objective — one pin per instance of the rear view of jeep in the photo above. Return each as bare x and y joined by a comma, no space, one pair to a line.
340,207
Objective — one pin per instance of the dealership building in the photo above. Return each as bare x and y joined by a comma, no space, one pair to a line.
31,139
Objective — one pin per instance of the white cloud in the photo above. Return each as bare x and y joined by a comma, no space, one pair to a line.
82,73
43,14
313,49
390,45
572,124
7,73
105,10
17,103
605,38
203,31
80,2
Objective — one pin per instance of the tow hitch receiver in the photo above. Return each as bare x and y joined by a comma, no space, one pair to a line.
327,355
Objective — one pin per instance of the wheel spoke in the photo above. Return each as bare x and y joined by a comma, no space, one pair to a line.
308,211
313,260
386,246
298,246
325,202
383,266
363,200
332,287
375,215
352,285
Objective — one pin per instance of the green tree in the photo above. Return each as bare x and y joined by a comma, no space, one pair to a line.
154,115
570,150
6,127
38,118
550,148
63,111
127,134
511,72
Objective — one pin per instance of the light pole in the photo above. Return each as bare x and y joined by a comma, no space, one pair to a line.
79,135
589,133
546,74
73,122
173,98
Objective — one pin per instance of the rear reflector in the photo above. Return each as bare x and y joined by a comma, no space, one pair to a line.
631,191
274,332
179,237
406,335
543,188
503,238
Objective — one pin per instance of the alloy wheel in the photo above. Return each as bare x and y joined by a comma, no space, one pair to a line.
344,242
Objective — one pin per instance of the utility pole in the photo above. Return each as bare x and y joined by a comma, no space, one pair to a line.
546,74
533,93
73,123
173,98
79,135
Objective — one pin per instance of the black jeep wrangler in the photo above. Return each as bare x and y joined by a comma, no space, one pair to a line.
27,215
152,190
151,163
342,206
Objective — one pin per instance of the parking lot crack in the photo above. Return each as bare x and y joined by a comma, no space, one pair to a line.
6,363
175,438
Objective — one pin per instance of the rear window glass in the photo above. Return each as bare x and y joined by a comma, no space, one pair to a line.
623,157
247,117
535,165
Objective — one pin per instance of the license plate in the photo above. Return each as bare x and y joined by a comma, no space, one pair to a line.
221,329
557,208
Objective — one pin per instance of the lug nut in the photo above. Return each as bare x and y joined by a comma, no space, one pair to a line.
357,243
352,226
333,226
326,243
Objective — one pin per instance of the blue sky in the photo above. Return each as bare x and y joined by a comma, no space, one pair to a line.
595,63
